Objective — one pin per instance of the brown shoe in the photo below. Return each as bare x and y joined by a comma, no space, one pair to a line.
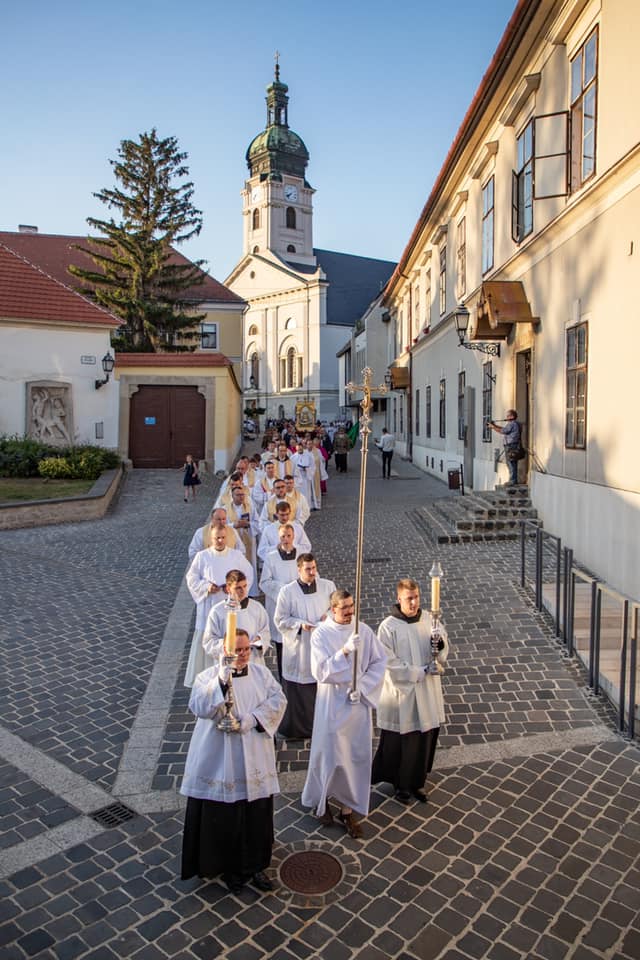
354,828
326,818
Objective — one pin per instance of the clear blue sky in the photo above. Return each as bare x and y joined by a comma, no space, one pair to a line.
377,92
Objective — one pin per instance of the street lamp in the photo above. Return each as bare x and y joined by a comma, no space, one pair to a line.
461,317
108,363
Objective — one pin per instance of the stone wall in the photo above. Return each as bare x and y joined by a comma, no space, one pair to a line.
38,513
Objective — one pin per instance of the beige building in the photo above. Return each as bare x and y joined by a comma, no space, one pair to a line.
532,226
160,406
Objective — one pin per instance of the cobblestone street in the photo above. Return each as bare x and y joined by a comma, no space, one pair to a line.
527,848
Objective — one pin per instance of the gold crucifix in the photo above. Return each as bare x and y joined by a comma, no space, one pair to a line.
365,430
277,59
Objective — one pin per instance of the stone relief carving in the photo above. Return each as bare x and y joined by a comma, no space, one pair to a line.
50,412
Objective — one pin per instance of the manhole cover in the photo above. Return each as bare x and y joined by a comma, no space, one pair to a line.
311,871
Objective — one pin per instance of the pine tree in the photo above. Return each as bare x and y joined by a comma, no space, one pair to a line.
136,276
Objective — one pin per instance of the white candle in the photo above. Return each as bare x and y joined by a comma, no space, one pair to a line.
435,594
230,638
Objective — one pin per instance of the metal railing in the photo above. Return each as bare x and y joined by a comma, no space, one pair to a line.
547,555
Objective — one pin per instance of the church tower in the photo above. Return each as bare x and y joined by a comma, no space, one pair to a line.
277,200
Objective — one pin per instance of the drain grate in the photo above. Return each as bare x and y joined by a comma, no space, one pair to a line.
113,815
311,872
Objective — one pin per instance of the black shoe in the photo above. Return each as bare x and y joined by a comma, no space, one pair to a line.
420,795
402,796
234,882
261,881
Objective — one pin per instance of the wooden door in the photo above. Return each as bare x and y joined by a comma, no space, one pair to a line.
166,423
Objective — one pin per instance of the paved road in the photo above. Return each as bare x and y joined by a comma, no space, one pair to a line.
527,848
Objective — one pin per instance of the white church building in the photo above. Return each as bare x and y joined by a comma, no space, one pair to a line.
302,301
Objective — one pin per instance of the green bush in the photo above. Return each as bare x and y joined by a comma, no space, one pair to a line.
55,468
22,456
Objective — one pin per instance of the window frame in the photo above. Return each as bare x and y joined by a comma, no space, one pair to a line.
487,400
204,333
574,372
427,411
442,279
488,225
442,409
417,412
462,383
523,180
577,177
461,258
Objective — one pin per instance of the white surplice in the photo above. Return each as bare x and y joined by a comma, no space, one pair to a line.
233,766
340,758
212,566
197,541
293,609
251,617
304,467
269,538
276,572
410,699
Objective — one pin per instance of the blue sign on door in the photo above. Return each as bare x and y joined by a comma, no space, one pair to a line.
149,421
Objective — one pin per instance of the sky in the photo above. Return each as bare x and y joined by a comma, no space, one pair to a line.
377,92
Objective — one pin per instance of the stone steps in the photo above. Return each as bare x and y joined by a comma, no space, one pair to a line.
477,517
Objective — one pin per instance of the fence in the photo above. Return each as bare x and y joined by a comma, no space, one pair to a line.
607,640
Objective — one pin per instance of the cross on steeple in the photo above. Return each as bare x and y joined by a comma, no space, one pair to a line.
277,59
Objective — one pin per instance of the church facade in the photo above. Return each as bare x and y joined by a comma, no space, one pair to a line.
302,301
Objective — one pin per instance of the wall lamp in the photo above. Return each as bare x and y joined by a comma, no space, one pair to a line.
108,363
461,317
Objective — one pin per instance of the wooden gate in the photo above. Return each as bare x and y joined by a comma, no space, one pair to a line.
166,423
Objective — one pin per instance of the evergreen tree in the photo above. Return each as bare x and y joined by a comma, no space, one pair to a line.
136,276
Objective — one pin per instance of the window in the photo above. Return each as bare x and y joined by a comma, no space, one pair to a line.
291,248
427,300
443,279
461,259
443,408
488,197
395,415
462,378
427,411
522,187
255,219
584,82
416,310
487,400
209,336
256,249
253,330
417,409
291,218
290,370
402,416
254,381
575,431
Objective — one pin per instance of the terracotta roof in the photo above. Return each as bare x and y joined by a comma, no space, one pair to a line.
53,253
27,293
171,360
518,24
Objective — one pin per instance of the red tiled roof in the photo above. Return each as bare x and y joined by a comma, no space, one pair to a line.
517,26
171,360
27,293
53,253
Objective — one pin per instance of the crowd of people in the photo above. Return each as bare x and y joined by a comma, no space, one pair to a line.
257,588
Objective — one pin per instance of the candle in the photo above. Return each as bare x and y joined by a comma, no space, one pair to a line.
435,593
230,639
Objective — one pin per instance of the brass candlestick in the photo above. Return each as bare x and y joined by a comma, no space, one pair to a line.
229,723
435,667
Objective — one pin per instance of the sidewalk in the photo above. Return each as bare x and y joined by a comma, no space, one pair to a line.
528,845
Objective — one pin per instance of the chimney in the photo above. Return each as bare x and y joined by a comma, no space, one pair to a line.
26,228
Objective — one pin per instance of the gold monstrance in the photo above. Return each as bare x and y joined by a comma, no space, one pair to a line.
365,430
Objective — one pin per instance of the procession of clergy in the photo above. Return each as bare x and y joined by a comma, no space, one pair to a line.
255,542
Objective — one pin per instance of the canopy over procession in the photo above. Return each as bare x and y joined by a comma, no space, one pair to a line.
279,653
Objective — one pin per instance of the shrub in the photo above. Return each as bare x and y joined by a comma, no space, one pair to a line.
21,457
55,468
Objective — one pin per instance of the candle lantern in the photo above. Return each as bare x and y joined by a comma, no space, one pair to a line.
435,667
229,722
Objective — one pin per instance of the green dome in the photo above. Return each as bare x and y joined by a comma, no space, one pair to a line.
277,150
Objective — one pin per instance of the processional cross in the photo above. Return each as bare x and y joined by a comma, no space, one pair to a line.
365,430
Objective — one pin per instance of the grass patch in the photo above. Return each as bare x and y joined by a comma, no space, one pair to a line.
37,488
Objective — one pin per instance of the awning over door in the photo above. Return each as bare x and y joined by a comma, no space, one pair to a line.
501,304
